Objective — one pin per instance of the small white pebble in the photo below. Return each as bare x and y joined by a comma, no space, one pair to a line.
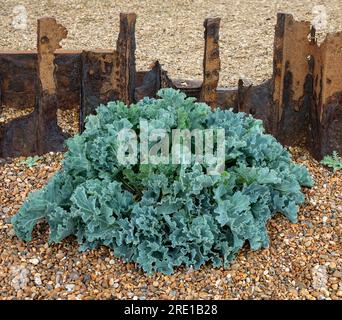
37,280
313,202
325,219
34,261
325,292
70,287
266,272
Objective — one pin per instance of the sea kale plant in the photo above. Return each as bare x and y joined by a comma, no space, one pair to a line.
161,216
334,161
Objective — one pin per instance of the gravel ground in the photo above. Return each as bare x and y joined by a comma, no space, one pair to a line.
304,259
171,31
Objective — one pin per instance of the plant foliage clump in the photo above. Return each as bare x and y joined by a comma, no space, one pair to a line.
30,161
163,216
334,161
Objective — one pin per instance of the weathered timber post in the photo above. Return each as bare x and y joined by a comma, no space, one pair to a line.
211,61
290,121
38,132
326,112
99,81
126,49
49,135
307,87
109,76
152,81
241,105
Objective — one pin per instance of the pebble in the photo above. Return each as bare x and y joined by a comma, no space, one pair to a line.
74,276
70,287
60,256
19,277
57,262
86,278
325,292
332,265
38,280
337,274
307,243
34,261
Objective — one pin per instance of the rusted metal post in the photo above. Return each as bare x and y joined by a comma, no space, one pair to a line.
211,61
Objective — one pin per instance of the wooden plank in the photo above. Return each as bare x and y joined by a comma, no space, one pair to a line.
100,81
289,113
18,71
49,136
18,74
307,87
326,112
126,50
38,132
211,61
18,78
152,81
